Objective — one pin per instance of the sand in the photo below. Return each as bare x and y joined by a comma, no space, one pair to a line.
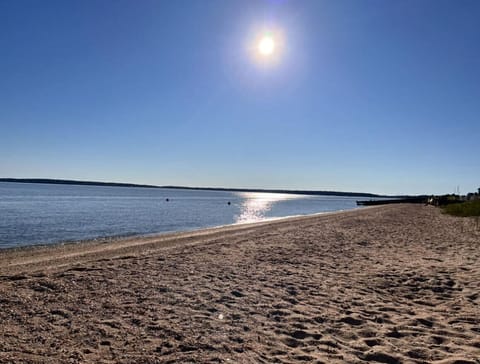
390,284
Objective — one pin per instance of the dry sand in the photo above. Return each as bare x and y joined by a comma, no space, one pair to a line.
391,284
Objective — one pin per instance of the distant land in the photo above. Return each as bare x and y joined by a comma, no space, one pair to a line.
116,184
296,192
71,182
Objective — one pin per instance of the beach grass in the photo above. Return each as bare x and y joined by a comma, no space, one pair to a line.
464,209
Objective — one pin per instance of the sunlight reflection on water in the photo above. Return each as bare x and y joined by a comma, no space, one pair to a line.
257,204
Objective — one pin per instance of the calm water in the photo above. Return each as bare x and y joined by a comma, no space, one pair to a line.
42,213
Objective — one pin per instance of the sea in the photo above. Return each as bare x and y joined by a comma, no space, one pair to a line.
38,214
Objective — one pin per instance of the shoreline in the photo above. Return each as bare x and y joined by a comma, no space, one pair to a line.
114,238
13,257
389,284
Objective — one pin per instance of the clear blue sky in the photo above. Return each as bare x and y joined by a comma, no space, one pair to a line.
373,96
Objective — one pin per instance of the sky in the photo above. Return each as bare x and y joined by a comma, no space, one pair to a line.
369,96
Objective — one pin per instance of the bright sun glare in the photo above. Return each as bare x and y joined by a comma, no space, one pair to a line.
266,46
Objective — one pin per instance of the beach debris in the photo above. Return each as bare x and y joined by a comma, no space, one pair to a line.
220,316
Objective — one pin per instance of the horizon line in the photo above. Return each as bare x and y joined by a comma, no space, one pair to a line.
234,189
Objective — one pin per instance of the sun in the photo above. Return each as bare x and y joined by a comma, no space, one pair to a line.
266,46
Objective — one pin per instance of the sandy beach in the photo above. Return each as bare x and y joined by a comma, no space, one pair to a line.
390,284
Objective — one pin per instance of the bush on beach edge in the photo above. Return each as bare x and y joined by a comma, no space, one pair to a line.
464,209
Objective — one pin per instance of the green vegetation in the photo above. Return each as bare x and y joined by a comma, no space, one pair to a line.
469,208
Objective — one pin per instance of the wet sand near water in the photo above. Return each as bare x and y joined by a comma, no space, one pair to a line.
389,284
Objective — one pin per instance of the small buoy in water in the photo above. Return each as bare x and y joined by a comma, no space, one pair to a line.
167,199
228,203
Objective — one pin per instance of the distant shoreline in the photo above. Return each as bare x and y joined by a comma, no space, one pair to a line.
73,182
116,184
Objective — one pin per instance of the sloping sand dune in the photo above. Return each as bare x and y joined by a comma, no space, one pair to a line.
392,284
